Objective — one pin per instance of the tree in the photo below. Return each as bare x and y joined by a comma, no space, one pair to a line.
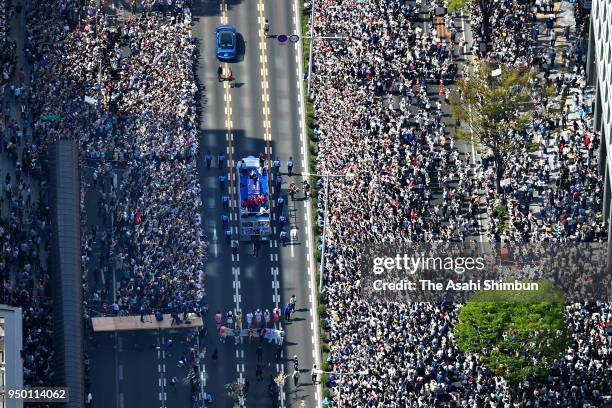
235,391
494,111
280,379
485,9
518,339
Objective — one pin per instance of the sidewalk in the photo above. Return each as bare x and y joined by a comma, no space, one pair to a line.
14,165
568,101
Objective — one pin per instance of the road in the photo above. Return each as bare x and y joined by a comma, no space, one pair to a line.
261,113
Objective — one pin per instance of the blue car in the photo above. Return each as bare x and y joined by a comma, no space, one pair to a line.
226,42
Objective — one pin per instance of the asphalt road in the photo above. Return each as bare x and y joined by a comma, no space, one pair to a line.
260,113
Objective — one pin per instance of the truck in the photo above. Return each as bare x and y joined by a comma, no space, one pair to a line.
253,199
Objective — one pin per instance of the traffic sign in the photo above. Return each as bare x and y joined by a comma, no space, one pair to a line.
282,38
294,38
50,117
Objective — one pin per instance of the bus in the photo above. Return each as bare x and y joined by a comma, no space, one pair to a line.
253,200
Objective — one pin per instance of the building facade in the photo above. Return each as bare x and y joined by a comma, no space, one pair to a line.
11,364
599,66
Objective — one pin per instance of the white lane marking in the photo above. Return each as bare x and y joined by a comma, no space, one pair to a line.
301,104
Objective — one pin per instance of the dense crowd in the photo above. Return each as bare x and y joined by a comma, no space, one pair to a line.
564,172
24,227
7,62
126,92
406,181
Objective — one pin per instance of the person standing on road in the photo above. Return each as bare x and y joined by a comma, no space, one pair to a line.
292,302
314,374
220,160
279,353
208,159
296,378
288,312
280,201
296,363
283,237
218,319
276,164
306,187
278,182
256,246
290,166
266,317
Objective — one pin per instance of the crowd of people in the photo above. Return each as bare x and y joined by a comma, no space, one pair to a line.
24,226
379,121
563,172
125,90
7,63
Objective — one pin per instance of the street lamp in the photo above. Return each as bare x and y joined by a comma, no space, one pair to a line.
340,374
326,176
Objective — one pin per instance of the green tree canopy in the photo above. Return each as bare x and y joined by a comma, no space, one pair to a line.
516,340
494,110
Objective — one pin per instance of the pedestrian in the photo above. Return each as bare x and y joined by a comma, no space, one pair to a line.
314,374
306,187
208,159
256,246
220,73
296,364
287,311
280,201
278,183
278,354
283,237
296,378
220,160
290,166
